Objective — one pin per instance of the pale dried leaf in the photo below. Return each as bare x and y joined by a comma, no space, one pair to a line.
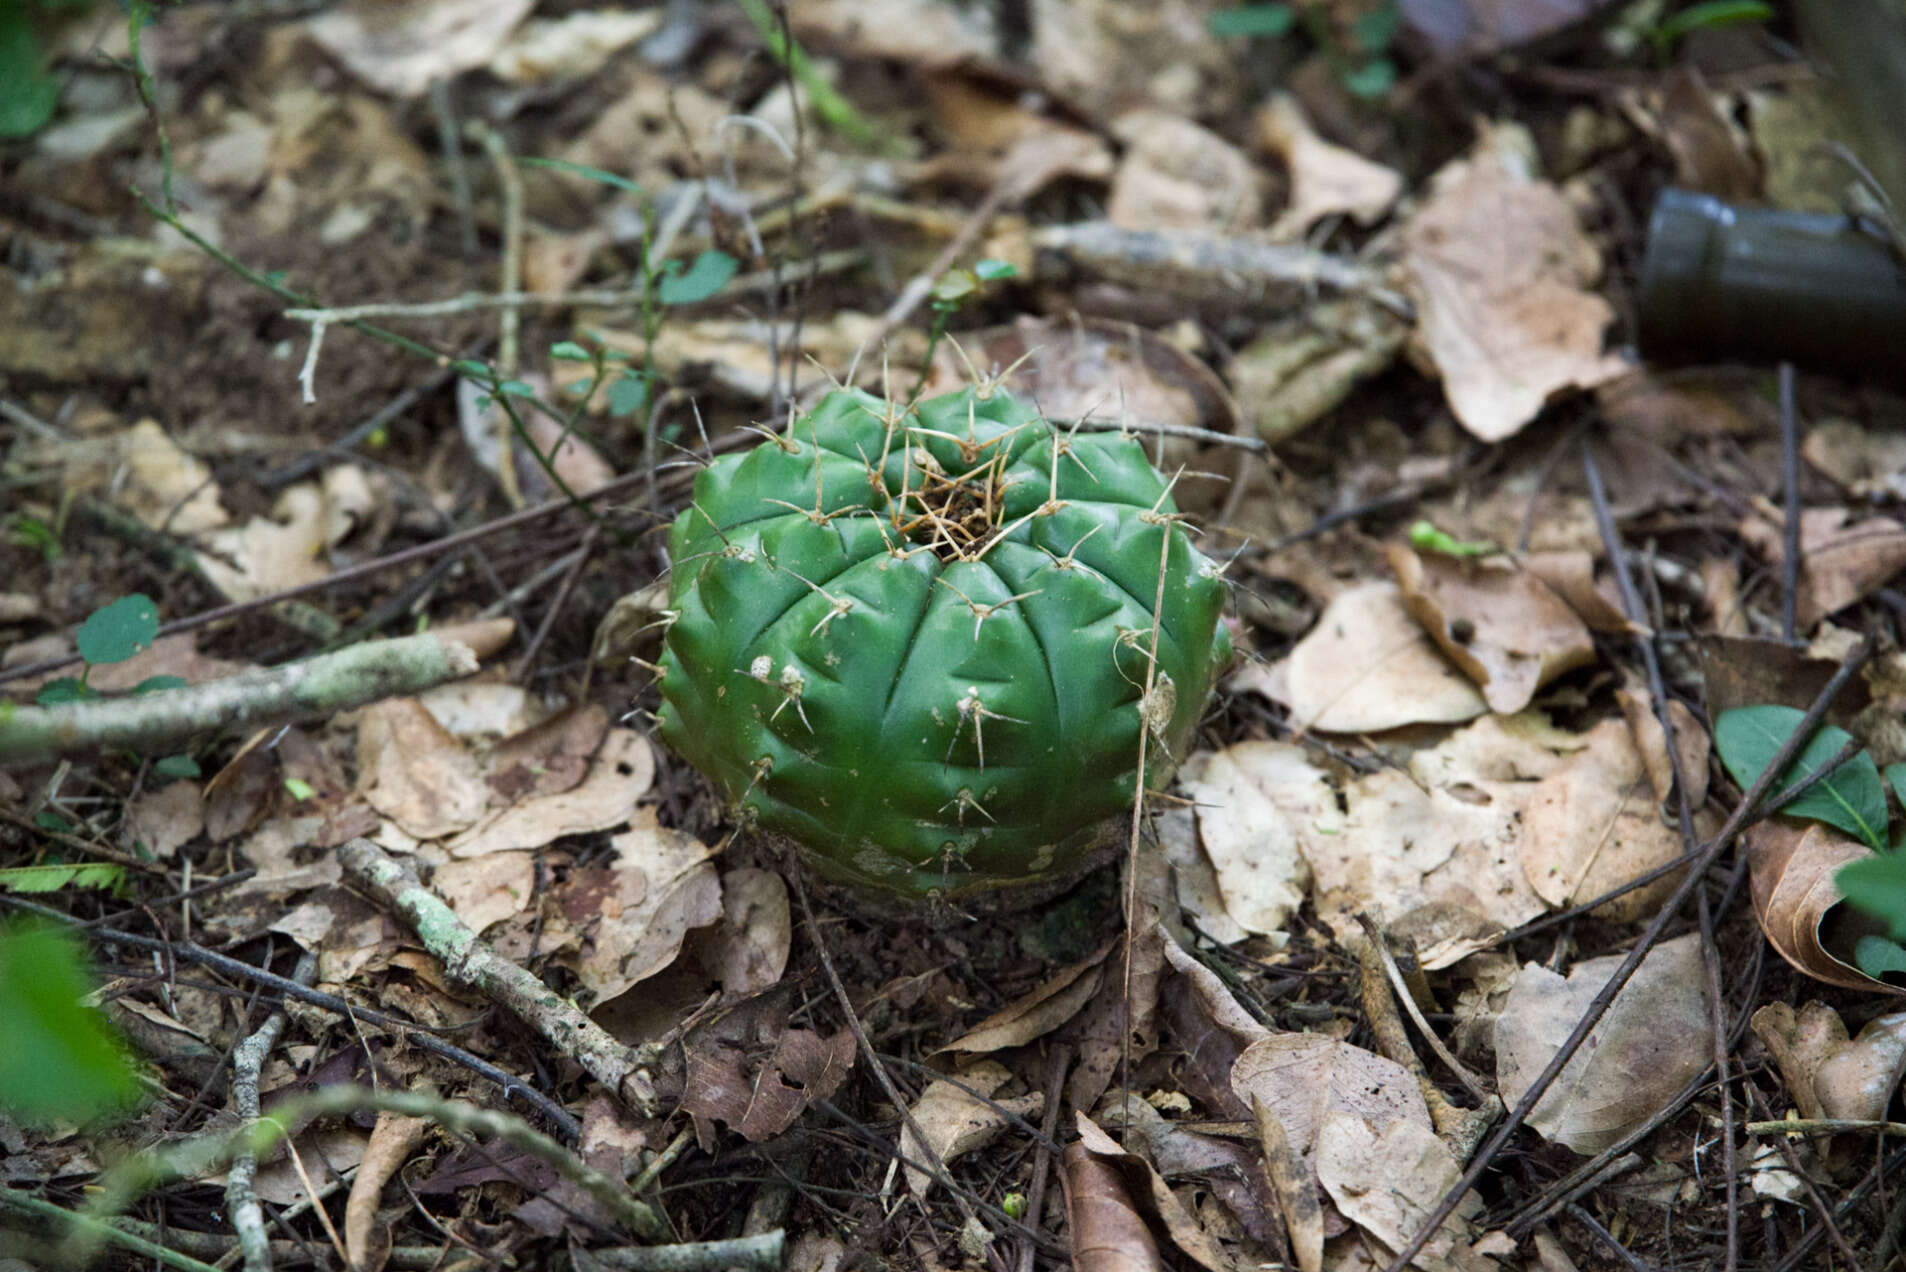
1857,1081
574,46
1367,666
1841,560
1799,1042
413,772
287,549
1571,576
480,708
1326,179
1047,1007
748,951
161,821
1593,825
1499,270
486,890
1193,878
165,487
1866,463
1178,175
1499,623
399,46
619,776
1295,1187
1305,1078
1653,1039
1249,797
1386,1178
640,932
956,1121
367,1242
1691,743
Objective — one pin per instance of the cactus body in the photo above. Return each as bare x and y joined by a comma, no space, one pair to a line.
914,640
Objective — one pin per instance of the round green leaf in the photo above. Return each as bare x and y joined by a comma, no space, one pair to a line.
58,1057
120,630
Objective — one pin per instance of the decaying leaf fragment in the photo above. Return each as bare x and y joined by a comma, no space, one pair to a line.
1829,1075
1114,1203
957,1118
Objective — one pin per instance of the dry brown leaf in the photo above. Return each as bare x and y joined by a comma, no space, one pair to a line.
1791,867
1047,1007
575,46
1296,1189
486,890
548,757
1148,1196
1177,175
761,1077
1193,877
1501,624
1305,1078
1326,179
1710,150
161,821
1432,850
1653,1039
1230,1169
1841,561
1103,1227
286,549
327,1155
619,776
748,951
399,46
1366,666
367,1242
956,1118
1828,1074
1499,270
1387,1177
1571,576
1249,798
165,487
1691,742
1864,462
1593,824
412,771
665,883
1666,411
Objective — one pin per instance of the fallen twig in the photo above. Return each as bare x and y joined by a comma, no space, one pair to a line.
161,721
469,961
248,1217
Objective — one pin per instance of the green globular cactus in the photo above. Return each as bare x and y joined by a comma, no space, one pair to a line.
914,640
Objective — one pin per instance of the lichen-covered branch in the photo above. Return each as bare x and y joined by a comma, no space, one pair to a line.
469,961
162,721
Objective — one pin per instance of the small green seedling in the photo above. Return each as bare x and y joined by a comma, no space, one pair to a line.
1360,57
1851,798
112,634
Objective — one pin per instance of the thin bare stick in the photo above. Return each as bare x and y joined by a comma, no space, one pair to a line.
248,1218
1790,493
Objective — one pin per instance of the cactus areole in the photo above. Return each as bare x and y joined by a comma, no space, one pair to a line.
913,641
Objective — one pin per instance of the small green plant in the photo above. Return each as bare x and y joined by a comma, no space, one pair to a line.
1851,798
1360,55
1707,16
112,634
31,532
59,1058
956,288
921,643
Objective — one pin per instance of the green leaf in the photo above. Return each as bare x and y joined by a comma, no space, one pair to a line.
65,689
954,286
472,368
1851,798
59,1058
1252,19
156,684
120,630
299,789
1375,29
47,819
1373,79
1877,956
568,351
584,170
708,275
28,94
1425,537
515,388
1876,885
992,269
176,766
1714,13
89,874
628,395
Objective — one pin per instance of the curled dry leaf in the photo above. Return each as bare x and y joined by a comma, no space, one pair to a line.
1571,576
1593,824
1103,1227
1501,624
1366,666
1047,1007
1652,1041
663,884
1326,179
957,1117
1304,1079
398,48
1791,866
1144,1194
1296,1189
619,776
1387,1177
367,1242
1827,1074
1500,272
1690,739
1178,175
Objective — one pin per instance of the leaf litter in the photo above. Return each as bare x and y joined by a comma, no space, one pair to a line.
1458,748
